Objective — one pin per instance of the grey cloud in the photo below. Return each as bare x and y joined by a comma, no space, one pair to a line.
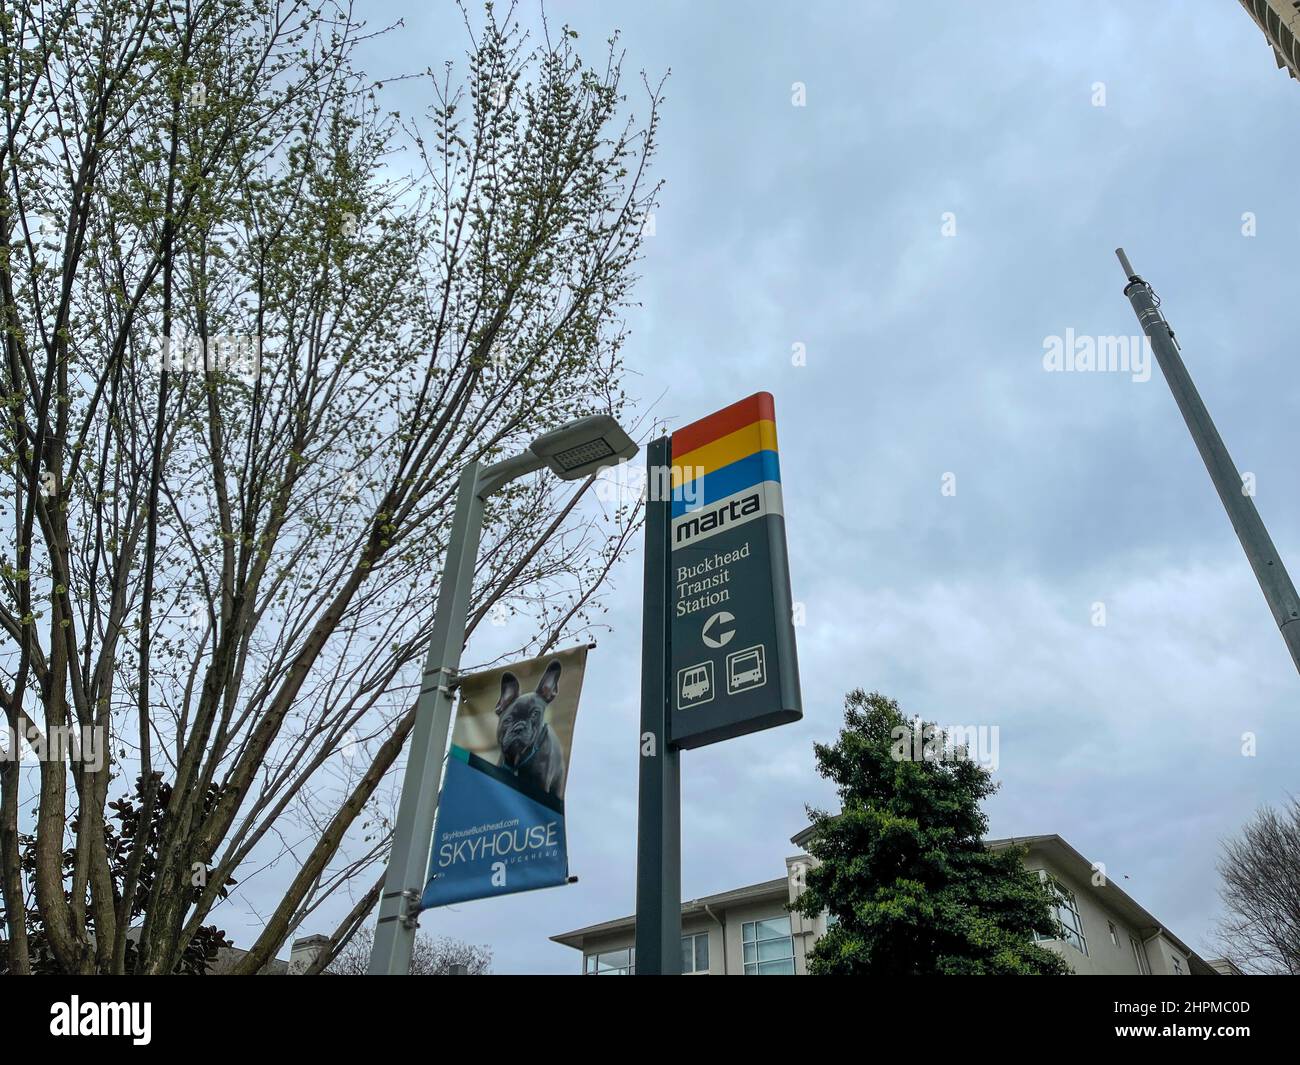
822,225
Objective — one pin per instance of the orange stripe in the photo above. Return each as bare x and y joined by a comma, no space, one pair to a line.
753,408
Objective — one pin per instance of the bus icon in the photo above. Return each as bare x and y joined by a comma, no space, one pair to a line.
746,669
695,685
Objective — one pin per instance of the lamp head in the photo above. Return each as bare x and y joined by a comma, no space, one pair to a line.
583,446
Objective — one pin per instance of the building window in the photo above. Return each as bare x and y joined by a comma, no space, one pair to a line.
769,947
695,953
1139,956
1069,923
1114,932
610,963
1178,967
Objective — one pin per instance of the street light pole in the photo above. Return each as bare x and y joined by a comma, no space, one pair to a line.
1271,574
399,903
573,451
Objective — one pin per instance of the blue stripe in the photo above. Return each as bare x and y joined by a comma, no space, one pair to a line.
752,469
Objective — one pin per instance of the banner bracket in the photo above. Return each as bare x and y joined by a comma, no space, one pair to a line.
410,909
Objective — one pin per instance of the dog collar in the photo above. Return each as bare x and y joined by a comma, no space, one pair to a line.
528,757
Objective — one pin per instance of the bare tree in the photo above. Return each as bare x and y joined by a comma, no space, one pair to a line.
431,957
254,324
1261,891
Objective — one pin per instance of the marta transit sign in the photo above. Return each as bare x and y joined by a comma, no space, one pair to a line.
717,649
734,668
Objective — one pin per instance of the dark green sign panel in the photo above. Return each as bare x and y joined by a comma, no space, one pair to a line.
733,664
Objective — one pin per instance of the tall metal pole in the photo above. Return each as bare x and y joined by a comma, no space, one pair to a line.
1260,552
659,818
413,833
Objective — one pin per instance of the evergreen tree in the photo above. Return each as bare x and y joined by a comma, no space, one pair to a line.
904,874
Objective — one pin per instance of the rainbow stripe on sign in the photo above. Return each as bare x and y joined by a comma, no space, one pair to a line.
726,470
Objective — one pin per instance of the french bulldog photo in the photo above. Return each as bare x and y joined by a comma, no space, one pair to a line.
529,748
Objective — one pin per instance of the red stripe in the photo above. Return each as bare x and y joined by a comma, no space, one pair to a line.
747,411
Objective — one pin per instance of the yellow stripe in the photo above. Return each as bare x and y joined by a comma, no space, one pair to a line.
756,436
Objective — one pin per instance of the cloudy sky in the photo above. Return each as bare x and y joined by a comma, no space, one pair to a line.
824,225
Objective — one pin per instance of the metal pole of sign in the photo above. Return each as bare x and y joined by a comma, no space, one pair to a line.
1271,574
413,833
659,819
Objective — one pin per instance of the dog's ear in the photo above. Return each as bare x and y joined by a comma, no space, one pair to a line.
550,682
509,691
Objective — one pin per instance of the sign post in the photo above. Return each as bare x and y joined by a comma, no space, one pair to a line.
658,846
718,653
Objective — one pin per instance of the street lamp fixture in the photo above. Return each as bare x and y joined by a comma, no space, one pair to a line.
573,451
582,447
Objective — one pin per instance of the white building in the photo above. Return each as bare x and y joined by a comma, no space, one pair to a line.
1280,21
749,930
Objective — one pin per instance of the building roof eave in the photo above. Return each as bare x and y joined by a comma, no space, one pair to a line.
690,907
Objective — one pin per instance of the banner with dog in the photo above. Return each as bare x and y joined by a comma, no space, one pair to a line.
500,826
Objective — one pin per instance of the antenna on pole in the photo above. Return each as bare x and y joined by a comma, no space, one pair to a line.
1271,574
1128,266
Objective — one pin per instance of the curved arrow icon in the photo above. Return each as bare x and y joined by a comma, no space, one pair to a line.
721,633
